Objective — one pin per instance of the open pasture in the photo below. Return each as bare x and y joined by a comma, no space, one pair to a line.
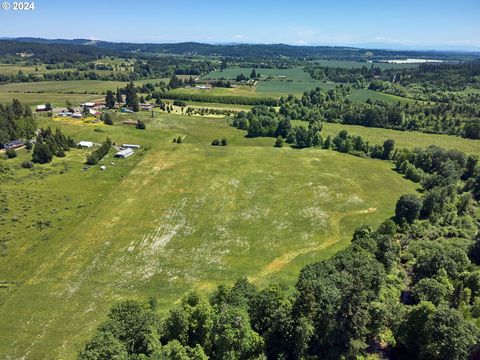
72,86
408,139
167,219
363,95
230,73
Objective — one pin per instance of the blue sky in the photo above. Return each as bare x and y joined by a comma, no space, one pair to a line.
420,23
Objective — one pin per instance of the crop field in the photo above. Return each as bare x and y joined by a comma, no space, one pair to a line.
275,82
286,87
359,64
295,74
408,139
57,92
220,106
56,99
74,86
6,69
169,218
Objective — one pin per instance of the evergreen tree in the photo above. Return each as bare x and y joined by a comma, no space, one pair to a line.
118,97
42,153
110,100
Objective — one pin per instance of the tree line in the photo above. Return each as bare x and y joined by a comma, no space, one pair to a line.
16,122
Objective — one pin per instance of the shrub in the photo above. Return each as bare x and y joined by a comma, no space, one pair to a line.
140,125
11,153
27,164
98,154
279,142
179,140
41,153
92,159
179,103
216,142
107,119
224,142
28,145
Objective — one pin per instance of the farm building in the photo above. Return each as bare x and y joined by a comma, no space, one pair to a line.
94,112
130,146
146,106
85,144
13,144
88,104
64,113
124,153
42,107
76,116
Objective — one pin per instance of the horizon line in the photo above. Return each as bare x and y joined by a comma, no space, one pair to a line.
364,45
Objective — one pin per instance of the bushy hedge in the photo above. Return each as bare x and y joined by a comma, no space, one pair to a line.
98,154
240,100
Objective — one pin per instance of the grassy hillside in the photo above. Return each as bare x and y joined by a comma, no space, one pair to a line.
408,139
365,94
167,219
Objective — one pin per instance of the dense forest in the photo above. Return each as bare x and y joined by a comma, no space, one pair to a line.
16,122
408,289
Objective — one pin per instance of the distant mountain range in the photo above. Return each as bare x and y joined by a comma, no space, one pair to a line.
376,50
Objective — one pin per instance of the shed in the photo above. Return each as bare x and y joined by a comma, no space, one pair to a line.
131,146
86,144
41,107
124,153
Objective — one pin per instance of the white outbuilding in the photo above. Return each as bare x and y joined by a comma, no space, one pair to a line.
124,153
85,144
131,146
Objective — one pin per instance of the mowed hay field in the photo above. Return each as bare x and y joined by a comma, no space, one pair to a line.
57,92
408,139
168,219
275,82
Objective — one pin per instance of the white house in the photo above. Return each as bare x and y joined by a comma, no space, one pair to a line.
85,144
41,107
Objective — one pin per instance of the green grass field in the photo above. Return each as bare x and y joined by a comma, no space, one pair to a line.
56,99
275,82
75,86
166,220
408,139
57,92
295,74
285,87
365,94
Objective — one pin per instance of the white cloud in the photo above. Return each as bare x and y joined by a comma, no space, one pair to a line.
301,42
